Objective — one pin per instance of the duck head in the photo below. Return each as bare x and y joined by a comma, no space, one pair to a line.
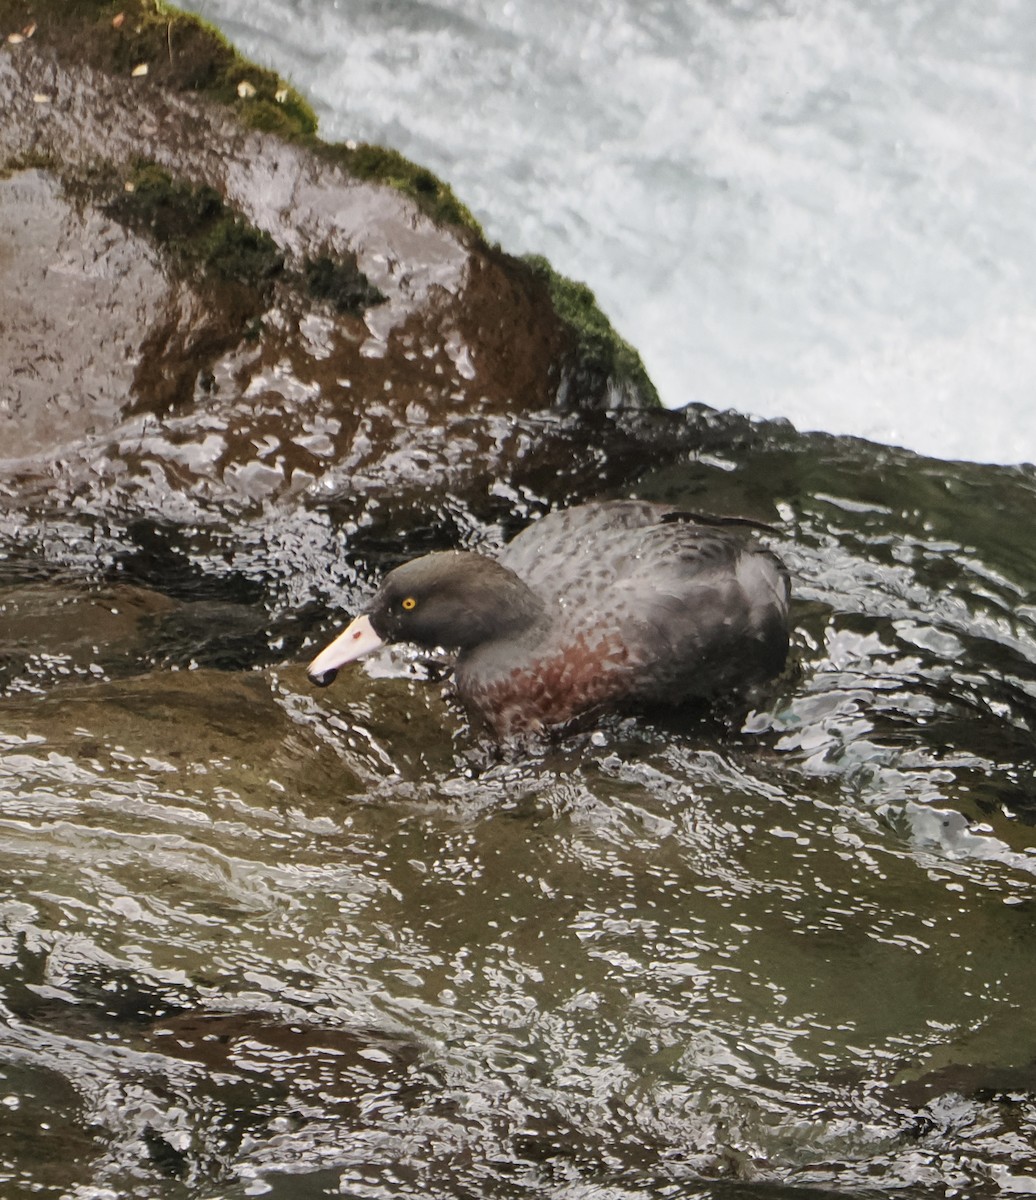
454,599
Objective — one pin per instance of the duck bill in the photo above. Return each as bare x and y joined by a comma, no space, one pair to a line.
353,642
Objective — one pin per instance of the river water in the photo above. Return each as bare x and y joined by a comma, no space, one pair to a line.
810,209
257,939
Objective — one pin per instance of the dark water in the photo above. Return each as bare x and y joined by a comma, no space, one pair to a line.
256,939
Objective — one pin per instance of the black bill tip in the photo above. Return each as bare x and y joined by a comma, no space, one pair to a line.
323,678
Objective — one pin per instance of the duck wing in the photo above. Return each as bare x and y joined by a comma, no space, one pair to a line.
712,618
561,553
687,610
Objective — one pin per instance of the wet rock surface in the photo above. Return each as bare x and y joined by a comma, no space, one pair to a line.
260,939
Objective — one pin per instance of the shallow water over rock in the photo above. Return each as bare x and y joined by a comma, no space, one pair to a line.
260,938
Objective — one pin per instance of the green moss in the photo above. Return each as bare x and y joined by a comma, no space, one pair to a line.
286,119
600,350
262,99
378,164
342,283
192,223
32,160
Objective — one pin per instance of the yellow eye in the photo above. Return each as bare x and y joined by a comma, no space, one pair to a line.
409,603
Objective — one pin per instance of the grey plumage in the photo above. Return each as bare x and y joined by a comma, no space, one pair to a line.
604,606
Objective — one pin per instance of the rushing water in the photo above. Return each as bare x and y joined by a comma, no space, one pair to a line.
810,209
262,940
257,939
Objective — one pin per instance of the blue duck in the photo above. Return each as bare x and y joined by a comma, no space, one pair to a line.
604,607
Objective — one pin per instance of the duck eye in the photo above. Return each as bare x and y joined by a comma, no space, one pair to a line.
409,603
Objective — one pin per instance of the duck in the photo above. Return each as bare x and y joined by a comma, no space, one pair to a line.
612,606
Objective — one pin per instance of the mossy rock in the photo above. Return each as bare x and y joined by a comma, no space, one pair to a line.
341,282
194,224
179,50
600,351
185,53
379,164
